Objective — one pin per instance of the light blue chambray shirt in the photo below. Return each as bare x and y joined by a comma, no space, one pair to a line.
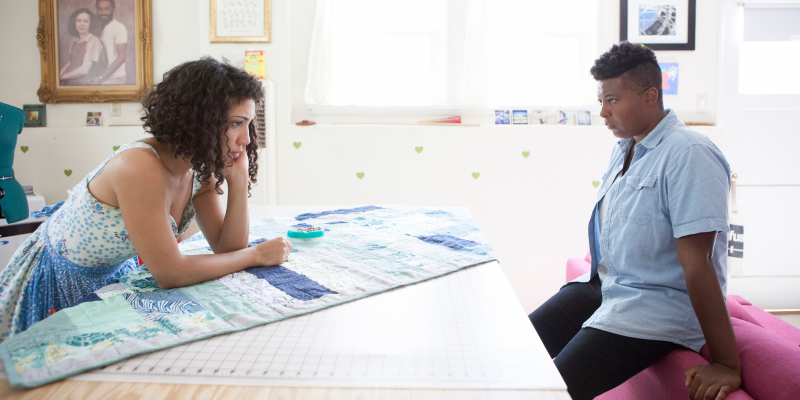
677,185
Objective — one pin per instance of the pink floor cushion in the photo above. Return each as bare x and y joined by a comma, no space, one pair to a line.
663,380
775,325
740,300
770,364
576,267
736,310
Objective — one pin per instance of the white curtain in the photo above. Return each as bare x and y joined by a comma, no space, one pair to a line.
318,84
473,88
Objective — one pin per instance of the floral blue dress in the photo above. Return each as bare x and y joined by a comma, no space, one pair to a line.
82,247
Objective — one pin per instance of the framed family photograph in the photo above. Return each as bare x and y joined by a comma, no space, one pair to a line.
95,51
240,21
658,24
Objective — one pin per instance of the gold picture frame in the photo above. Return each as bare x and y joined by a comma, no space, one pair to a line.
241,34
130,82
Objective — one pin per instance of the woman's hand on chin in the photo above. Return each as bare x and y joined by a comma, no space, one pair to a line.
239,172
272,252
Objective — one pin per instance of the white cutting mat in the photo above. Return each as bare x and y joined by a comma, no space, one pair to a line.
463,330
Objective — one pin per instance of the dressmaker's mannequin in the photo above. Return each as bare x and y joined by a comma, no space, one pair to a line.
13,204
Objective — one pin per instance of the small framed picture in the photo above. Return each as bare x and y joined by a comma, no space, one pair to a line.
669,78
35,115
94,118
519,117
584,118
501,117
564,118
540,117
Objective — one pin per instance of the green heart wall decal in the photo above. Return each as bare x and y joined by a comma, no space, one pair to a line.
24,149
360,175
115,148
418,149
476,175
297,145
526,154
595,183
67,172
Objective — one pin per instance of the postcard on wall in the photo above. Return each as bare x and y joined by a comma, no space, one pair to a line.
254,64
669,78
501,117
564,118
541,117
584,117
94,118
520,117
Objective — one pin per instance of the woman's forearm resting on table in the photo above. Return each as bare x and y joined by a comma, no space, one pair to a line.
186,270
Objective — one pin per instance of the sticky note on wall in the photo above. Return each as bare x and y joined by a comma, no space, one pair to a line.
254,64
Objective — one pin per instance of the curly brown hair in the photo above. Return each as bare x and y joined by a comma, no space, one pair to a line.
188,111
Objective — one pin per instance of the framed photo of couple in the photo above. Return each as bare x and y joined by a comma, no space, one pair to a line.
95,51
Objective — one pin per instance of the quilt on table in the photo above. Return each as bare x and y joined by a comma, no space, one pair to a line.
367,250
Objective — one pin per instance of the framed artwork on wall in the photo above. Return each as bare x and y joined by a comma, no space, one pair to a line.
240,21
95,51
35,115
658,24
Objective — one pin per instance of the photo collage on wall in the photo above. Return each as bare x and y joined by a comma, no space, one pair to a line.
543,117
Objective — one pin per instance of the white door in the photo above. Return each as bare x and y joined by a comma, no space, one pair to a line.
759,108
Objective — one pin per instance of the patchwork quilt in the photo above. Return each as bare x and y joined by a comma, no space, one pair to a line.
367,250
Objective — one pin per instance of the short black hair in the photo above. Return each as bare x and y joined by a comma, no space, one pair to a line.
94,24
636,61
113,4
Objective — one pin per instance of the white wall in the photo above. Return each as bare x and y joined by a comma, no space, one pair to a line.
534,210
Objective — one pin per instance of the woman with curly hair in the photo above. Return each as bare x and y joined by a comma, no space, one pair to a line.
143,198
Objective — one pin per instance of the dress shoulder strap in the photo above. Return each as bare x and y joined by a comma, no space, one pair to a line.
131,145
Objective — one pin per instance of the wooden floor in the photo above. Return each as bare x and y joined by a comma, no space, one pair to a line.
83,390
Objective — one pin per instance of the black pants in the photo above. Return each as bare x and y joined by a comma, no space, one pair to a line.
591,361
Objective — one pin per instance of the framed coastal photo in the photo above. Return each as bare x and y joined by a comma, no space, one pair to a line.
519,117
95,51
240,21
658,24
35,115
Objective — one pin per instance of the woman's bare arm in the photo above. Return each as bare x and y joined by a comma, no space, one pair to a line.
225,228
139,185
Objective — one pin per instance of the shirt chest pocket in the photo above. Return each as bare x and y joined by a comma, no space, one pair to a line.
637,199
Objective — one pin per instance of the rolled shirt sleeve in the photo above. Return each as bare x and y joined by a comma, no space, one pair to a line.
698,183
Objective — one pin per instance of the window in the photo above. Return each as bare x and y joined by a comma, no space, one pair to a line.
453,53
769,54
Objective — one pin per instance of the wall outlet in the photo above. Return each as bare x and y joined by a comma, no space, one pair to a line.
116,109
702,103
